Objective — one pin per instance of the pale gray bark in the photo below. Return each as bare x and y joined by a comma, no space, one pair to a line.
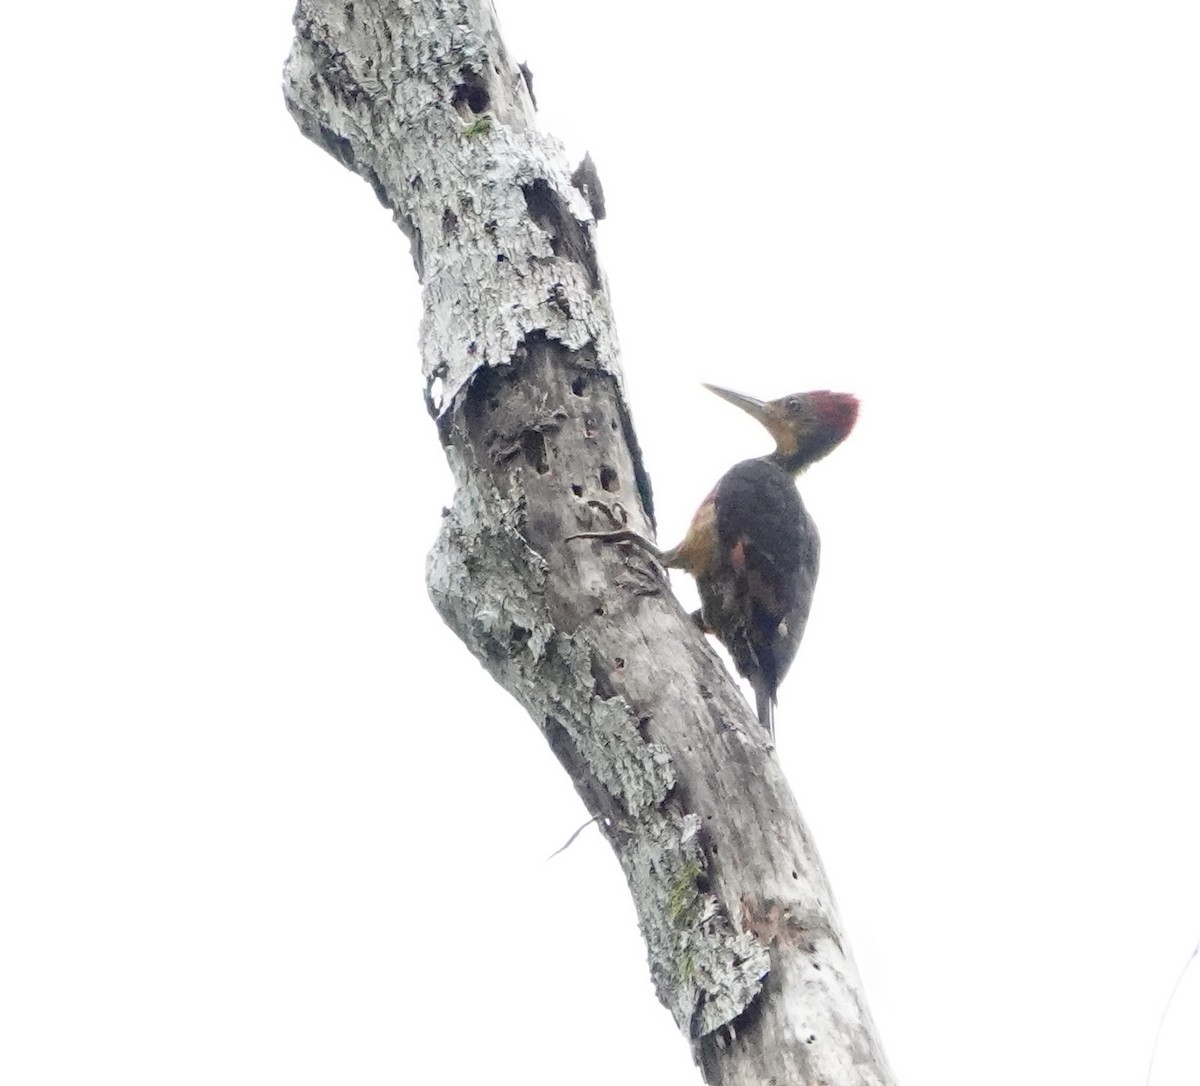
520,361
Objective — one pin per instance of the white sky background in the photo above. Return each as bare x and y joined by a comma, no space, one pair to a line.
262,819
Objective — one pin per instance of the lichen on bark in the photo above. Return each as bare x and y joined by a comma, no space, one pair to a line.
509,586
489,208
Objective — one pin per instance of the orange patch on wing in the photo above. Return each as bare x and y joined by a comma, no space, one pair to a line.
737,555
698,551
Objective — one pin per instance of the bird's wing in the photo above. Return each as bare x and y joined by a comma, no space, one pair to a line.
773,549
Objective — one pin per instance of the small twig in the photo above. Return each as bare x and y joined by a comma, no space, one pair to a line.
571,839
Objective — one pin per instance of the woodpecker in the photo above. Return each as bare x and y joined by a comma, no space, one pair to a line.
752,547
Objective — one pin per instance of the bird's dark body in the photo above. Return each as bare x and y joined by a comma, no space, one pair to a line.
752,547
757,593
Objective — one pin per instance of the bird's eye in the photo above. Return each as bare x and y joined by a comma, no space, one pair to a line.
794,405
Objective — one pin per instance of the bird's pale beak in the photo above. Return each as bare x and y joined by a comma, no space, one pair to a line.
747,403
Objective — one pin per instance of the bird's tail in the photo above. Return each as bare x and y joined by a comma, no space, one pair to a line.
766,708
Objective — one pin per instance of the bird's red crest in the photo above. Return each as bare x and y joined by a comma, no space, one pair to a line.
838,410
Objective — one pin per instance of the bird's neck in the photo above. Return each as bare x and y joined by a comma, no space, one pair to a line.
791,462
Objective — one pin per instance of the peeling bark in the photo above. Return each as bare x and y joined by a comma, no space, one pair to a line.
521,368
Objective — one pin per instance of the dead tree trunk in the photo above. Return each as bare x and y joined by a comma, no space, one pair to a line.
520,361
